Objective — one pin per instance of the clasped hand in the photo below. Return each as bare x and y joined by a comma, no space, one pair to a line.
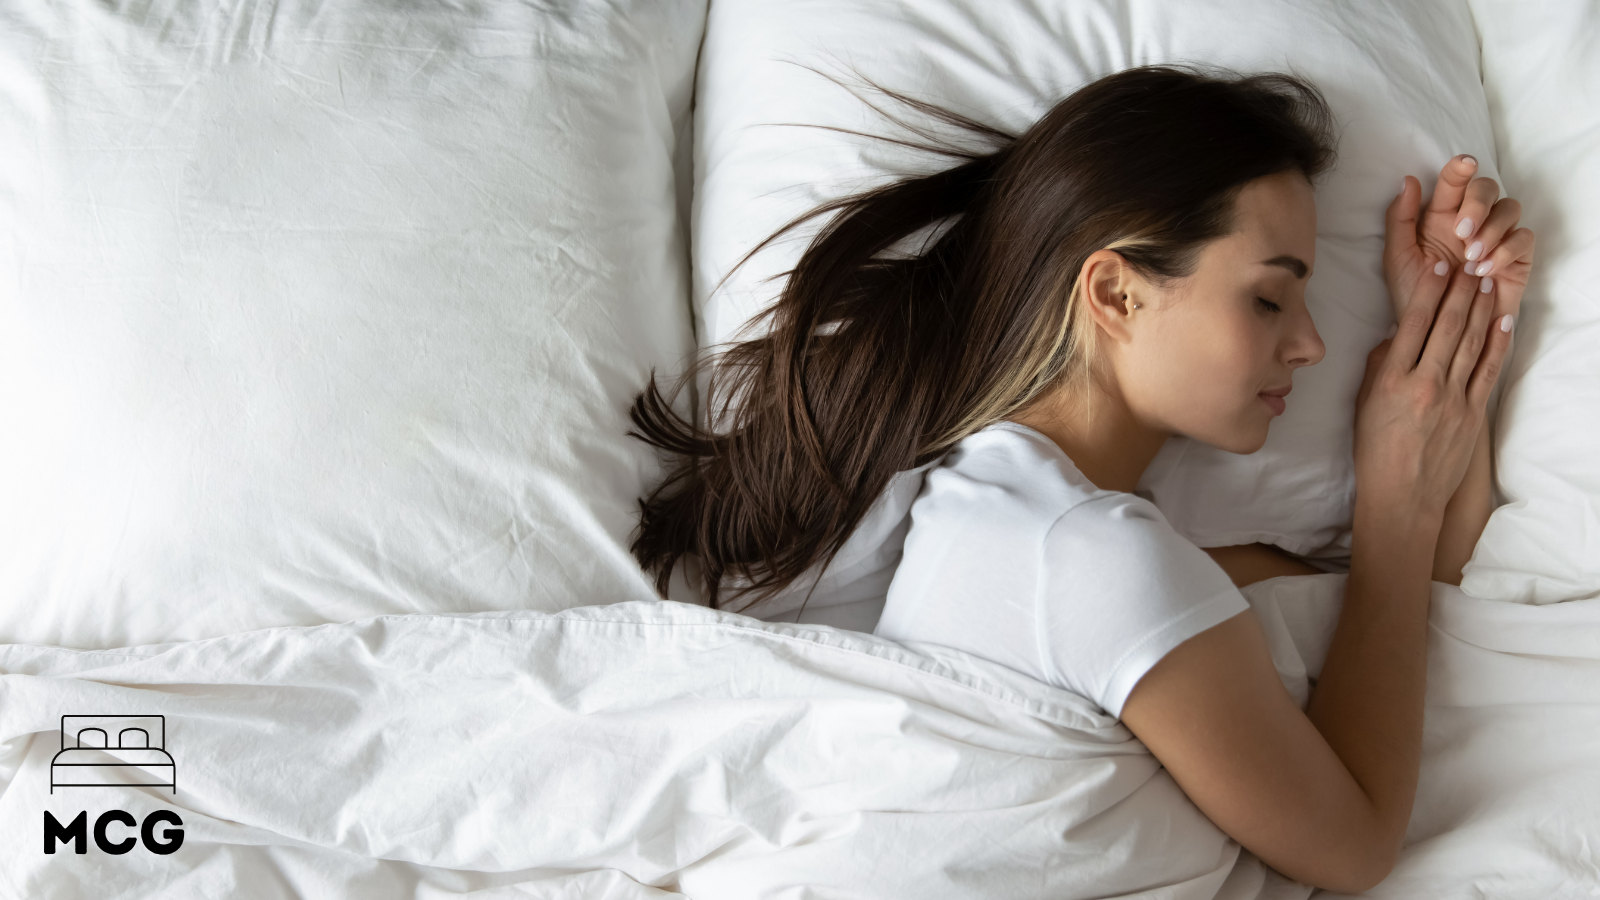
1467,225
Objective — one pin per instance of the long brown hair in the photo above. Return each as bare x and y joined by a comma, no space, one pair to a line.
876,364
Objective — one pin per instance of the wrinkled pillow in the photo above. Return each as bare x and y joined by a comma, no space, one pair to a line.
311,312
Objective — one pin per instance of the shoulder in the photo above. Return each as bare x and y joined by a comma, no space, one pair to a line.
1118,554
1118,587
1006,474
1125,524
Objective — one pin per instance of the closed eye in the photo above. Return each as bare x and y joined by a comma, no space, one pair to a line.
1270,305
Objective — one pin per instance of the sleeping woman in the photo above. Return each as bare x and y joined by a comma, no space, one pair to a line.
1131,268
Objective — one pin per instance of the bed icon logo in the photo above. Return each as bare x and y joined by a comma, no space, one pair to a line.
113,750
118,751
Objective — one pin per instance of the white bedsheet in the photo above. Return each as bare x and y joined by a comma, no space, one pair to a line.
653,749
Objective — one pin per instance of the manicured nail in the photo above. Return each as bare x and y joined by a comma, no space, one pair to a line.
1463,228
1470,268
1476,250
1505,323
1468,160
1486,285
1441,267
1486,268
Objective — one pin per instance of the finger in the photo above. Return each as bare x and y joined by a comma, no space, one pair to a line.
1411,331
1450,324
1515,246
1400,223
1481,194
1473,338
1450,191
1491,364
1503,216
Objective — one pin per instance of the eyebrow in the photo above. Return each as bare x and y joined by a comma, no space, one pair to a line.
1293,263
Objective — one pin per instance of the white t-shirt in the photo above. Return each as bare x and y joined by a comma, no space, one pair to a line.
1014,555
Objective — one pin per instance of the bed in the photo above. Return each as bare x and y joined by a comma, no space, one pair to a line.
319,327
113,750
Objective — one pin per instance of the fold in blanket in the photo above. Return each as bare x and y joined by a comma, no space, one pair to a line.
656,750
634,750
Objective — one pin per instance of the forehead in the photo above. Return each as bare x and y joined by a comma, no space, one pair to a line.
1274,217
1282,200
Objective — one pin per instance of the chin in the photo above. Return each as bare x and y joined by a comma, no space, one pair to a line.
1233,444
1249,445
1241,441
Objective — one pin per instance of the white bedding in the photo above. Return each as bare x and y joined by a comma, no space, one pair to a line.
311,312
634,749
660,750
1542,76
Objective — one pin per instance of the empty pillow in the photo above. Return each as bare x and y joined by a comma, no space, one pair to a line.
312,312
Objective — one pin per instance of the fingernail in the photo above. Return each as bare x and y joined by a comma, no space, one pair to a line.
1469,160
1441,267
1463,228
1486,268
1476,250
1396,327
1486,285
1469,267
1403,185
1505,323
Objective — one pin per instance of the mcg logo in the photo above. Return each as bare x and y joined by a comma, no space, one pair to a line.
89,758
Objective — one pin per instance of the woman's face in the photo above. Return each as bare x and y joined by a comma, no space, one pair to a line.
1195,359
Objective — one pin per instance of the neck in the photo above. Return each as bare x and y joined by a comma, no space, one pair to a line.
1112,453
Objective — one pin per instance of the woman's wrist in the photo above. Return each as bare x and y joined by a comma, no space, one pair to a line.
1467,513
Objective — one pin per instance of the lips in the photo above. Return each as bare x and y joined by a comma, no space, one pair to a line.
1278,392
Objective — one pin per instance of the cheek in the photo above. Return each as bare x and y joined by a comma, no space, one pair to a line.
1206,367
1221,356
1227,364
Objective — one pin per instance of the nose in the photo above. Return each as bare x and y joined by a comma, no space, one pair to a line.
1306,347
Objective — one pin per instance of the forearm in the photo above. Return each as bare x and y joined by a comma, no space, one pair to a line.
1247,564
1368,699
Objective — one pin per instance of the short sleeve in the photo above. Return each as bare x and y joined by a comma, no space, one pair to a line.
1119,589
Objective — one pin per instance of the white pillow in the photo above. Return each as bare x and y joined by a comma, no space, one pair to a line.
315,312
1403,81
1543,87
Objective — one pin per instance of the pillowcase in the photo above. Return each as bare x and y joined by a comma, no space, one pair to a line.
315,312
1403,81
1543,545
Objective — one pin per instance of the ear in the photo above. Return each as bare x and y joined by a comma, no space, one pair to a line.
1109,292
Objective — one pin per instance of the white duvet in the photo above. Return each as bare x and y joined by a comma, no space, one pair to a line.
660,749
